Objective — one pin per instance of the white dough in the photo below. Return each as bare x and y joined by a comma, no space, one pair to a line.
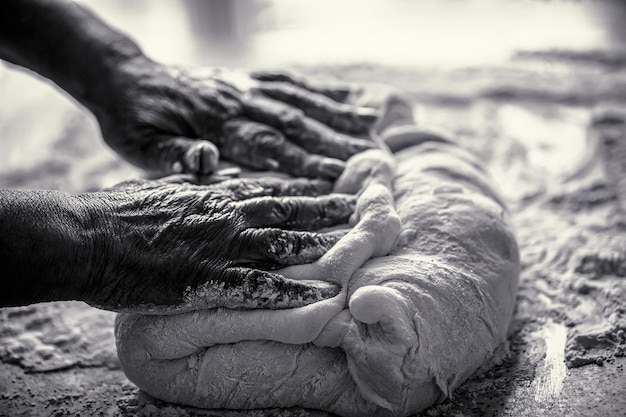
428,292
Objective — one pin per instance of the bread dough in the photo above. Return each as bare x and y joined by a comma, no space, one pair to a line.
404,332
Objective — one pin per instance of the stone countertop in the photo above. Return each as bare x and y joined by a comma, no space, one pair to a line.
552,131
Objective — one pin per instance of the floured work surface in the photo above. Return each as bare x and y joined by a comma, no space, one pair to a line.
565,192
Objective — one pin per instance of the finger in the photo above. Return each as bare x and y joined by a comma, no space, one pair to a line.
318,138
272,248
302,213
210,98
309,134
245,188
340,116
244,287
287,119
261,147
183,155
338,92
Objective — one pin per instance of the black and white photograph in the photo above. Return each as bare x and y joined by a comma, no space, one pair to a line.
329,208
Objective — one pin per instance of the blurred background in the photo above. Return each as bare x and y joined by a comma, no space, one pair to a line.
440,51
427,33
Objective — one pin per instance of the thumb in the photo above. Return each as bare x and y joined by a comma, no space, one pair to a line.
189,156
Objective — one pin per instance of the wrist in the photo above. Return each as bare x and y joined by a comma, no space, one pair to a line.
44,250
98,250
119,74
105,57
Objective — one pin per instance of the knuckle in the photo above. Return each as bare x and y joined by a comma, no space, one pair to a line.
339,206
241,189
254,148
291,117
318,186
269,140
311,165
268,210
283,211
279,244
263,246
283,247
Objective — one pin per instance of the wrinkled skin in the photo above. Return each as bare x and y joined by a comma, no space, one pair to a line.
180,120
152,244
156,243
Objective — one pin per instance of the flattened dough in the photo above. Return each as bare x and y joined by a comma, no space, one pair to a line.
405,332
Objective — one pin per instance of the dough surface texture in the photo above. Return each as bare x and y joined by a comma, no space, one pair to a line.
410,324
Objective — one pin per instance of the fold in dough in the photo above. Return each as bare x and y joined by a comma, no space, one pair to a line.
418,322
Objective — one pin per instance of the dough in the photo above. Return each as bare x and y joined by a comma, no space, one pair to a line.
406,329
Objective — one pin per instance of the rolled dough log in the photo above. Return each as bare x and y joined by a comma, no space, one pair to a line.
418,321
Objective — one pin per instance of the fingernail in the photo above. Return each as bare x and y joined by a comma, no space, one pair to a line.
321,186
367,116
177,167
229,172
363,145
209,158
272,164
331,168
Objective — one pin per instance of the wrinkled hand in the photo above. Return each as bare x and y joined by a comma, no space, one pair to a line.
159,245
173,120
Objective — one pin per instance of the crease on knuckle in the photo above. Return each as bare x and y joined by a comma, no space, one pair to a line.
284,211
268,244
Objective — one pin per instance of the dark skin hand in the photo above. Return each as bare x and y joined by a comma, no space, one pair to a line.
151,246
169,119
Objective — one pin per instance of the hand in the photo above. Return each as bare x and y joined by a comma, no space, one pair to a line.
178,247
174,120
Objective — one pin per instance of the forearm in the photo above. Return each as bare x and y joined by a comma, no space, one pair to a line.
44,248
65,43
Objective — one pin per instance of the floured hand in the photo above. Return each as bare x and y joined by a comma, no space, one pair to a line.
375,233
161,247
